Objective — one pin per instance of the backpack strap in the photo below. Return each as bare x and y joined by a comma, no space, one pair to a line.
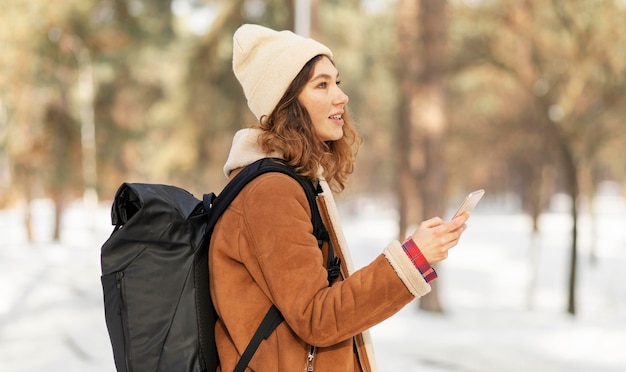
247,174
271,320
217,206
319,230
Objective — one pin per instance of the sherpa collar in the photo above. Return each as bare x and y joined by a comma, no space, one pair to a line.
246,150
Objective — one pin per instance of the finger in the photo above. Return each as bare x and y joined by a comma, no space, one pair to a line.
459,229
433,222
455,236
461,218
456,222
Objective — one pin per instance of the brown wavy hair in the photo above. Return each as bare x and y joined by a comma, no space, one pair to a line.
289,131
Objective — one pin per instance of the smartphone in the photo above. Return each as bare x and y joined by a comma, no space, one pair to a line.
470,202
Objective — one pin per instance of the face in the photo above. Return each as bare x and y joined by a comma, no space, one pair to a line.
324,100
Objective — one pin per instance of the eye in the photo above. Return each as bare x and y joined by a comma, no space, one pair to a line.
322,85
338,82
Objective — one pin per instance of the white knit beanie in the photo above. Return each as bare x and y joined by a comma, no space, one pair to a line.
266,61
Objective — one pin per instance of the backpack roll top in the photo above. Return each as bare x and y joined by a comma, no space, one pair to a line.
132,203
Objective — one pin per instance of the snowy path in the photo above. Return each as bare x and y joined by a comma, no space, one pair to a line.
51,315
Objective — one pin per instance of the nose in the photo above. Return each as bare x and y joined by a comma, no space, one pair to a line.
341,98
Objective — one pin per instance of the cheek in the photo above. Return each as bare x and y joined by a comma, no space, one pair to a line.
315,107
319,115
320,111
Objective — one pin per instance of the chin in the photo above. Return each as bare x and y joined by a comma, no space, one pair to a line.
333,138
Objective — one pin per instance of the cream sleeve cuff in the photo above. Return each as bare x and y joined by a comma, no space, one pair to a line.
407,272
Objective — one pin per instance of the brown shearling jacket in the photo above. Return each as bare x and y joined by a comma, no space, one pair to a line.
263,251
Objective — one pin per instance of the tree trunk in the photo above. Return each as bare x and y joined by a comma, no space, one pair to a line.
430,119
406,71
571,178
57,198
28,212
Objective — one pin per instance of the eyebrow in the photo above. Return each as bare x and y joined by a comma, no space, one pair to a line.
324,76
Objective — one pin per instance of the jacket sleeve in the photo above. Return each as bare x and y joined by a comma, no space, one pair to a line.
282,255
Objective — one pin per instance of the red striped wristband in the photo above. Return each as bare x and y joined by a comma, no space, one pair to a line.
418,259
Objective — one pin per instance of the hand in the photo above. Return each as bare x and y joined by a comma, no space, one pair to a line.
434,237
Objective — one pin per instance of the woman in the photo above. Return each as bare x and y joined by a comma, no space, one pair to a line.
263,251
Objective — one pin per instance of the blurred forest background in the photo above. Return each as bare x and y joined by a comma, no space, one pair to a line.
525,98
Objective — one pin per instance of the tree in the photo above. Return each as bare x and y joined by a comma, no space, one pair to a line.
564,59
429,107
407,70
422,119
41,73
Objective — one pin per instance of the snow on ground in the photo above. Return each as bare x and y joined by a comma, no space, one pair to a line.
502,313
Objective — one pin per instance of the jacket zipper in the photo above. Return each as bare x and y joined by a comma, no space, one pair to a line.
310,359
123,313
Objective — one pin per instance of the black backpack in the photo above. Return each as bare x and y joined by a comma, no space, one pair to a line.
155,277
